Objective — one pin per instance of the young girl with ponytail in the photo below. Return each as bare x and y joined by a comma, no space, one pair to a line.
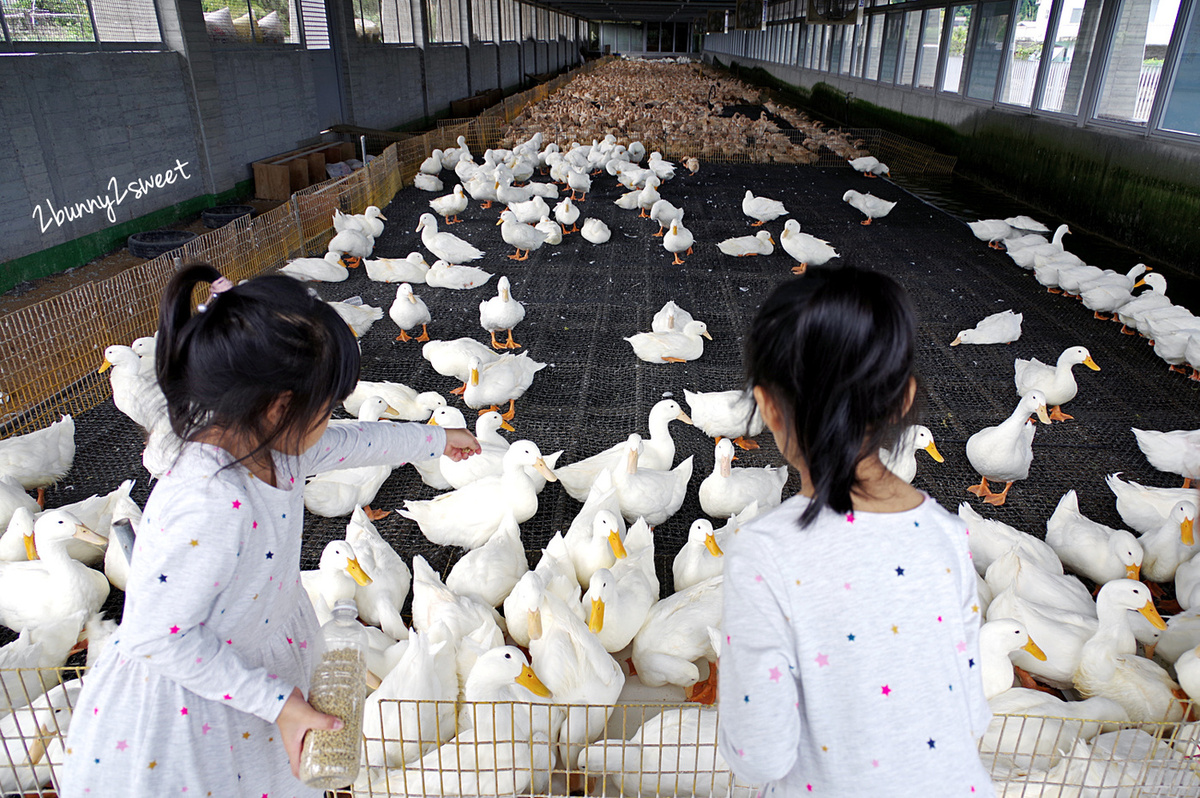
850,651
201,692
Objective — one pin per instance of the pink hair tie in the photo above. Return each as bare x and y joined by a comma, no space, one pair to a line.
219,286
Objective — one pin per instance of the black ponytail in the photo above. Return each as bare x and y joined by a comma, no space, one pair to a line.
834,349
225,365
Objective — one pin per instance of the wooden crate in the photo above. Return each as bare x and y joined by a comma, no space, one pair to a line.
275,178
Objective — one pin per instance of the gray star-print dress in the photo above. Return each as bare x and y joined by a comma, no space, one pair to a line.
217,628
850,656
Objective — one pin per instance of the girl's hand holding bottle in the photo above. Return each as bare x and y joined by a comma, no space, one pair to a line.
461,444
294,721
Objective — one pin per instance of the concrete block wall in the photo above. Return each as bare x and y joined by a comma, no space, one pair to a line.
81,127
268,106
485,67
445,76
510,66
387,86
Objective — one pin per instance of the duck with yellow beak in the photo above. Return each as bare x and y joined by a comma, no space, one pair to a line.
43,591
506,379
1109,667
501,313
1099,552
469,516
1172,544
1056,383
337,577
902,459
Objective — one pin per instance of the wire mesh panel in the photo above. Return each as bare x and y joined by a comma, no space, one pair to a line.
35,712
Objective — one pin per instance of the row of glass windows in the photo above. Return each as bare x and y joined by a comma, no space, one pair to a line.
642,37
288,21
1126,62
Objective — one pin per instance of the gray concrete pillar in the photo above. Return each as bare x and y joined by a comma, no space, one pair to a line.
1124,64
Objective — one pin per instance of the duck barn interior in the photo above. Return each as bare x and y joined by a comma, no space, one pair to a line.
1028,170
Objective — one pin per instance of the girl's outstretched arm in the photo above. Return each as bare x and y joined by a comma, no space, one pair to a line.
759,695
353,444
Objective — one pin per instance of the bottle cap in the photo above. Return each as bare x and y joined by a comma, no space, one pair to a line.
346,605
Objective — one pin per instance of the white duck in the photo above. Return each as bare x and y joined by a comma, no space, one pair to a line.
1003,453
407,311
566,214
1099,552
1110,290
652,495
671,347
678,239
31,740
551,230
403,403
490,572
435,605
664,213
1023,223
553,575
658,452
352,246
670,318
409,269
1024,250
902,459
1063,635
701,557
427,182
1187,584
726,414
673,753
1056,383
676,634
869,205
597,545
1171,544
28,664
433,164
13,498
40,592
805,248
358,316
579,183
760,243
618,599
459,278
762,209
993,231
999,328
501,313
595,231
990,539
648,196
337,576
451,205
326,269
425,687
1109,667
1175,452
446,246
1133,313
469,516
529,211
505,379
489,461
869,166
727,491
382,598
1060,591
520,235
453,358
342,491
996,640
587,553
135,394
572,662
1144,509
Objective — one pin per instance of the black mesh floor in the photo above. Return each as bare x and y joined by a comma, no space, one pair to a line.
582,299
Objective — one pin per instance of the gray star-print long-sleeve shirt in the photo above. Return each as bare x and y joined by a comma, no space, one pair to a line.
850,657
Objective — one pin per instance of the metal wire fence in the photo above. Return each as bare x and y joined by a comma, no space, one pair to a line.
444,748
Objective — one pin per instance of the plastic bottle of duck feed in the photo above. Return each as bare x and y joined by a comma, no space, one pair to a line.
330,759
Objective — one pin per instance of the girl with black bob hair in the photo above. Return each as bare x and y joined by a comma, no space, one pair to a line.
850,658
203,688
